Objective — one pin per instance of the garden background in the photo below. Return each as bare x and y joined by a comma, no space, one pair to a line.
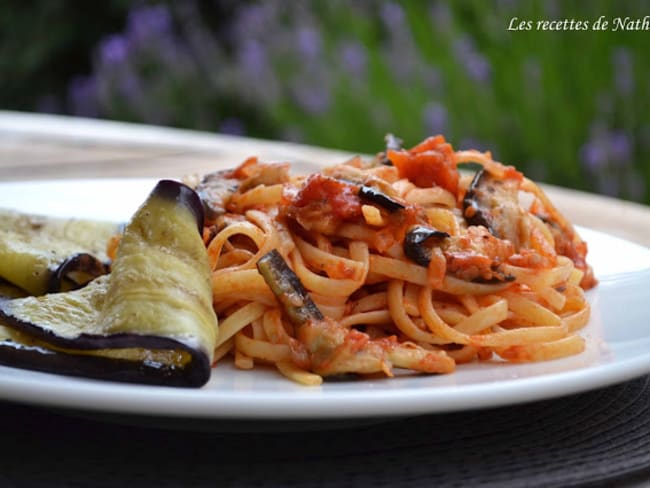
567,107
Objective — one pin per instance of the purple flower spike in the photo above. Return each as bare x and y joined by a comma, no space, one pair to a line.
354,58
435,118
623,64
477,67
620,146
252,57
309,42
251,21
147,22
312,99
593,156
392,14
82,95
232,126
114,49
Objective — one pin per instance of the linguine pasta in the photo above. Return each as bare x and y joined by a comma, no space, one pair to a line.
410,263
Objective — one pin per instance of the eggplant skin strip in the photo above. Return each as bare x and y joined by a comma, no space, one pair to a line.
39,358
151,321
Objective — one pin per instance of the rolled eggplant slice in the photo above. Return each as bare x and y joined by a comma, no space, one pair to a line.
61,333
7,290
44,254
150,321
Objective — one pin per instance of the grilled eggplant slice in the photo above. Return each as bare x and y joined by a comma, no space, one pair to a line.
494,204
43,254
418,241
150,321
288,289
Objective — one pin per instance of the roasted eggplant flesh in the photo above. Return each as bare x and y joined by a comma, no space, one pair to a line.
43,254
288,289
215,190
418,241
494,203
149,321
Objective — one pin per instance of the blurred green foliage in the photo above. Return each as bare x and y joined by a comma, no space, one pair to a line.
566,107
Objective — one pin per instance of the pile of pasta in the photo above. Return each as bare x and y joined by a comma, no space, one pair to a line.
407,261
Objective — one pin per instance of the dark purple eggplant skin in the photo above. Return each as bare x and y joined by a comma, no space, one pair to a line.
183,195
214,191
37,358
375,196
78,262
194,374
494,204
288,288
474,214
415,239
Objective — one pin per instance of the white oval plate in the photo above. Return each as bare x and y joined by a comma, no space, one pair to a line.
618,338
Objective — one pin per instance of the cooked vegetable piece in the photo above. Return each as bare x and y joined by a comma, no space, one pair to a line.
7,290
287,288
335,350
381,199
43,254
151,320
215,191
494,203
418,241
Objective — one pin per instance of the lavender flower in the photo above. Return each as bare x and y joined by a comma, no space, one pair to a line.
435,118
593,156
83,96
147,22
623,64
309,43
354,58
114,49
232,126
476,66
606,157
392,14
252,21
313,99
252,58
606,149
620,146
400,52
